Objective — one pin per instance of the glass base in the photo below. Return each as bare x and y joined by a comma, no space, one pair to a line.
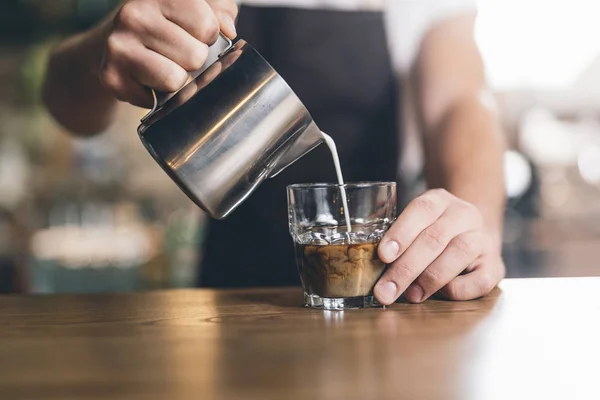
340,303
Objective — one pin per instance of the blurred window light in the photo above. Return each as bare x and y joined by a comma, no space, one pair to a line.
517,174
589,165
547,140
538,43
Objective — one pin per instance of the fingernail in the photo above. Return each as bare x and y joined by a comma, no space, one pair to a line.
389,251
386,292
227,20
414,293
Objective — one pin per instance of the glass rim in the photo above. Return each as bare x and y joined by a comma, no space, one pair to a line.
350,185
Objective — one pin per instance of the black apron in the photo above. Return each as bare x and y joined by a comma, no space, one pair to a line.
338,64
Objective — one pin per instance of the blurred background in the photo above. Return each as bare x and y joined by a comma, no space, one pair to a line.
88,215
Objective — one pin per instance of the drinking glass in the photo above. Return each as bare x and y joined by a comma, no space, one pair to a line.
339,266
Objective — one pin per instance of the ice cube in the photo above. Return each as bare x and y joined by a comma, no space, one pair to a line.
338,238
315,238
376,235
359,237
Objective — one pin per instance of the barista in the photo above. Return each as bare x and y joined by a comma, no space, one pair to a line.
355,64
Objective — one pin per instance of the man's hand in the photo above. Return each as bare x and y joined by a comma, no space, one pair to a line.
439,244
156,43
450,243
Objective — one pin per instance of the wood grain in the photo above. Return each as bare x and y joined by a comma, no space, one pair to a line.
531,339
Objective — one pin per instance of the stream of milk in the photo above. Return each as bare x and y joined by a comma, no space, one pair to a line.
338,170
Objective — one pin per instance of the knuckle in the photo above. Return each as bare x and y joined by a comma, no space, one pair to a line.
427,203
229,7
173,79
233,8
114,46
110,77
431,279
485,284
467,246
208,28
454,291
501,272
472,212
434,237
440,193
197,57
400,272
130,16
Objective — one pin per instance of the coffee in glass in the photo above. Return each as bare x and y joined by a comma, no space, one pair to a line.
339,266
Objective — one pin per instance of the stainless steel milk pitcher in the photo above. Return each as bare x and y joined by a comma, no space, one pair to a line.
233,125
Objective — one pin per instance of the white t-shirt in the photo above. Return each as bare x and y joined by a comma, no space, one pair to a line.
407,22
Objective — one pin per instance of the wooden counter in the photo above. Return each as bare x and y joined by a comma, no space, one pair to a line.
531,339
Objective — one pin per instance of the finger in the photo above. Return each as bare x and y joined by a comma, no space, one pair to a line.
473,285
125,88
156,71
226,12
194,16
146,66
461,252
428,246
136,94
418,215
173,42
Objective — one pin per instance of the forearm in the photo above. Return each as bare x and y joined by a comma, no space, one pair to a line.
464,154
73,92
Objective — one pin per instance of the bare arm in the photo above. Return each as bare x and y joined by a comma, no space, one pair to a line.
448,240
463,141
145,44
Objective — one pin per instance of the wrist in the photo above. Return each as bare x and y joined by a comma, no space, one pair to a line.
73,83
495,236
